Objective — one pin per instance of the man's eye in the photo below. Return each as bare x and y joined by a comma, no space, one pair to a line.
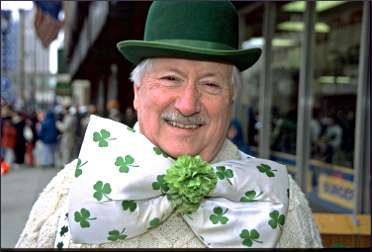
169,78
211,87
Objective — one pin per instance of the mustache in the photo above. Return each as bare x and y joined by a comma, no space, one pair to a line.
179,118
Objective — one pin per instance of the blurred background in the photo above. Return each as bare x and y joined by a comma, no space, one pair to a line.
305,103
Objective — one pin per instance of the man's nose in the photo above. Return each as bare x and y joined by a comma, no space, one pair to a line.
188,100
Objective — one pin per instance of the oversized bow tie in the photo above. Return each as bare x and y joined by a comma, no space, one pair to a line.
120,192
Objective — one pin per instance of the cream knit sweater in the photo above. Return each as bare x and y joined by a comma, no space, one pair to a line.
299,231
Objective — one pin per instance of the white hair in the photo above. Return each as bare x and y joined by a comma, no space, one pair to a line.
145,65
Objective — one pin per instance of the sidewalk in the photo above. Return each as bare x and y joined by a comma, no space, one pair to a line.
19,190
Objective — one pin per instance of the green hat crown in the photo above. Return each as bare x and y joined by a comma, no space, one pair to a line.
202,30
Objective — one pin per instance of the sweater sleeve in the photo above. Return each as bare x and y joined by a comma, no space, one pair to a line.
40,228
300,229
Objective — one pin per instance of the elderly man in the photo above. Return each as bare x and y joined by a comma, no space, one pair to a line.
174,180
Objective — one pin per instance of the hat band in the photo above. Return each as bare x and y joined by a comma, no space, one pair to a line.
195,44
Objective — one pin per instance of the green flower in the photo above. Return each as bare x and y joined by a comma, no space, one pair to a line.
264,168
276,219
131,129
115,235
249,237
102,137
250,196
154,223
159,151
125,163
223,173
82,217
101,190
64,230
129,205
160,184
189,179
79,171
218,216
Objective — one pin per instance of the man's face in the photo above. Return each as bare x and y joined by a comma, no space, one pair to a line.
183,106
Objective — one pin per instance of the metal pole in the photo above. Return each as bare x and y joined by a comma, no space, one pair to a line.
304,97
21,54
265,96
362,128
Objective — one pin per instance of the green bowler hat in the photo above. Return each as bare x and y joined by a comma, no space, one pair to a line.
201,30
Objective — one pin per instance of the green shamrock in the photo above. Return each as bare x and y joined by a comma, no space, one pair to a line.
249,237
64,230
101,190
115,235
276,219
250,196
129,204
102,137
83,217
223,173
60,245
79,171
131,129
160,184
124,163
218,216
264,168
154,223
159,151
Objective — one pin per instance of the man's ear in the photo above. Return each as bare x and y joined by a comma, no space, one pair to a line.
136,94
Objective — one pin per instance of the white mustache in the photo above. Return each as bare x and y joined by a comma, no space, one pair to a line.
181,119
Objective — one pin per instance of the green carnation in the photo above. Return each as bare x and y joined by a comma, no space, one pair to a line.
189,179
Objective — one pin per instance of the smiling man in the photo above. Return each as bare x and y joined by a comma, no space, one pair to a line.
174,180
184,106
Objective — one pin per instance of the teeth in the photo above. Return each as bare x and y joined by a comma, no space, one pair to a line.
183,126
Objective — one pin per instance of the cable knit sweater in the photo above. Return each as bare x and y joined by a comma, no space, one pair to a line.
299,231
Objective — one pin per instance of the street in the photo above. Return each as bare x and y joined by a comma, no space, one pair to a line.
19,190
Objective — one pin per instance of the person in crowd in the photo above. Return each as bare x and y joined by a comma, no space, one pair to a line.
113,109
19,124
8,139
174,180
130,117
48,135
235,134
91,110
68,140
332,138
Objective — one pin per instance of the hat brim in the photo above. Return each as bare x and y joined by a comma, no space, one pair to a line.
137,50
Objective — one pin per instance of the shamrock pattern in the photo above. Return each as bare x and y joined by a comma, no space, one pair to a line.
64,230
154,223
125,163
131,129
159,151
102,137
78,170
250,196
218,216
160,184
60,245
115,235
264,168
82,217
223,173
276,219
101,190
249,237
129,205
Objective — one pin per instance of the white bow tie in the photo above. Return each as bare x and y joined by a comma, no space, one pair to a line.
119,192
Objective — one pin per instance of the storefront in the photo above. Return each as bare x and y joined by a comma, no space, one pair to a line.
306,102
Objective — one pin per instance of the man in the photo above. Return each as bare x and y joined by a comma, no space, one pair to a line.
174,180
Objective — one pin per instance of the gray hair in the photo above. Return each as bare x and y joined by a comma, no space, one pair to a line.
145,65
